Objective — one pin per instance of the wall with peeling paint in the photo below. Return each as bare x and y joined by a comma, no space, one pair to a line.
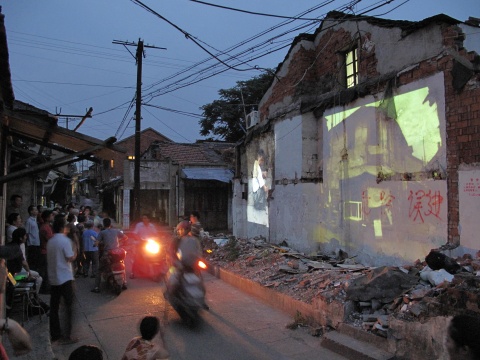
365,169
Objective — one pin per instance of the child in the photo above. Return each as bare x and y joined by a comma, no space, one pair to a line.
142,347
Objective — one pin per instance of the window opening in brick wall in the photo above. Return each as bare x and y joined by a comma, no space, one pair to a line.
351,67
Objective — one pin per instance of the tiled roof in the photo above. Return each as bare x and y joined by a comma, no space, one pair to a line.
205,153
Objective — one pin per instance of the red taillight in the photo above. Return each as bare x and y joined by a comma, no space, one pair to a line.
202,265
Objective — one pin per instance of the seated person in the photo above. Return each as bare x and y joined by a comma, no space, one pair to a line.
18,264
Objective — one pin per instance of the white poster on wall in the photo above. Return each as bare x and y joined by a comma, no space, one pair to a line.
469,208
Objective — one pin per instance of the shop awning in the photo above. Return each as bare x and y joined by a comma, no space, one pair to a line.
207,173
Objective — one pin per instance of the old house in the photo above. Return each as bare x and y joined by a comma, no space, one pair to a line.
178,178
367,141
108,175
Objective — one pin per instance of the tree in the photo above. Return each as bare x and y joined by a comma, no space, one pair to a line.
225,118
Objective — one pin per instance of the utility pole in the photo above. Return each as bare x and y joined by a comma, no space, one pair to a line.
138,118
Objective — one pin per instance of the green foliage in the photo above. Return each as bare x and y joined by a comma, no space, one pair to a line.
224,118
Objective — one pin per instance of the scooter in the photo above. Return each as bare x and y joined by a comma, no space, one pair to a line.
185,288
115,275
149,259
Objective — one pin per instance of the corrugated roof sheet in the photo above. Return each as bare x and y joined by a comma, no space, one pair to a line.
205,173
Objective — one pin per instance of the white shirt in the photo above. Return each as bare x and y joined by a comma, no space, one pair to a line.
59,248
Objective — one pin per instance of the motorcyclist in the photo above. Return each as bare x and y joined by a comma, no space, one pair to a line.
191,251
188,244
107,240
145,230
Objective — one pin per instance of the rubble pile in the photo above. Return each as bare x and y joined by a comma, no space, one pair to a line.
438,286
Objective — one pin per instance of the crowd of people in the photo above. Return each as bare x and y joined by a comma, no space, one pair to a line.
52,247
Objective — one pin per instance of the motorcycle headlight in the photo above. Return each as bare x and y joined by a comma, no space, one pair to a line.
152,246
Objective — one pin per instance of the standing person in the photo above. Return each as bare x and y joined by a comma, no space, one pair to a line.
87,211
60,256
74,234
33,242
46,233
15,206
108,239
196,226
143,347
462,339
40,209
14,221
81,256
89,237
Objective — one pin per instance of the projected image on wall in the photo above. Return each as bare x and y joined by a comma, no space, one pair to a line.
259,186
260,180
380,153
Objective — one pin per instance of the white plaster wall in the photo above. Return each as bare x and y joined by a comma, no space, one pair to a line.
296,215
469,208
239,210
288,148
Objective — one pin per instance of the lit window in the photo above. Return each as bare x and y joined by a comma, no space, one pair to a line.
351,67
112,164
131,157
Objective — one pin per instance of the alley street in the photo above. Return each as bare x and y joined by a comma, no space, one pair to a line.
237,326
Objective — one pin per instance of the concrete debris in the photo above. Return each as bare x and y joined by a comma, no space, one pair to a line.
435,277
440,286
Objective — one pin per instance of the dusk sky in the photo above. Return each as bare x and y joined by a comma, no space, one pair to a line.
63,60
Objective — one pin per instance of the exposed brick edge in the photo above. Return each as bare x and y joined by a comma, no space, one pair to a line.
273,298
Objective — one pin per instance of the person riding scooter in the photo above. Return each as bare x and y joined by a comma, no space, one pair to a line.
107,240
144,230
190,249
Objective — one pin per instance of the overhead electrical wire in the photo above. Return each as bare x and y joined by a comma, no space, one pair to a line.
233,61
244,52
243,42
177,83
175,131
256,13
187,35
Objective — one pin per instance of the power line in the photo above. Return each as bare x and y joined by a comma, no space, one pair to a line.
74,84
256,13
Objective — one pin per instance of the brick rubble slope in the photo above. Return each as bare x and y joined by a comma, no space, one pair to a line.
305,277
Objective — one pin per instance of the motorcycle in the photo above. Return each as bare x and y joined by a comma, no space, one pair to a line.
149,259
115,275
185,287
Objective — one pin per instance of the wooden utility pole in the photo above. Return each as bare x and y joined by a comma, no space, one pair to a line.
138,118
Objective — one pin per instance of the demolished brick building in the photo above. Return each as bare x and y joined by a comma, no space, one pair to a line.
370,141
367,142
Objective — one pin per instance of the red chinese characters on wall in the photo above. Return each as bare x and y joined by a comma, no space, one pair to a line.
423,204
472,187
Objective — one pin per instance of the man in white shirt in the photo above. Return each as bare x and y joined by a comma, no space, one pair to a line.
60,255
33,242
